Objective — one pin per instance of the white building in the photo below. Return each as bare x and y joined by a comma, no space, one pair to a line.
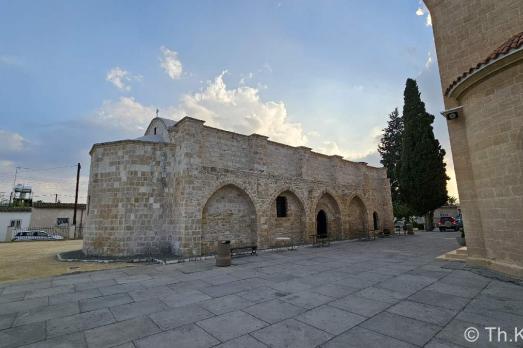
15,218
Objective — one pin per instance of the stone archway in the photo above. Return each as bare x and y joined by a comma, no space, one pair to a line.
228,214
330,208
287,218
357,218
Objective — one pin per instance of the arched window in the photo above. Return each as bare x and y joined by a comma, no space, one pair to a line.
281,206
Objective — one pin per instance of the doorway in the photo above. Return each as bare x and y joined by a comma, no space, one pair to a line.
321,224
376,221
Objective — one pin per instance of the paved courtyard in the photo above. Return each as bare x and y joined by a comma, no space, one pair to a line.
386,293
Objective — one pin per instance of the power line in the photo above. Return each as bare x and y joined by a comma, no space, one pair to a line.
43,169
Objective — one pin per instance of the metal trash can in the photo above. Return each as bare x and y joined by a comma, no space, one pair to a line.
223,253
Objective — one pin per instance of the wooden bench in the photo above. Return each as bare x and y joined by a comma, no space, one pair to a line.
237,249
320,240
284,242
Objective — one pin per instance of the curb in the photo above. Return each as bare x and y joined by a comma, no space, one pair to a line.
190,259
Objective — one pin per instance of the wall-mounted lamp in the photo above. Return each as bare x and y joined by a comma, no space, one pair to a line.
452,114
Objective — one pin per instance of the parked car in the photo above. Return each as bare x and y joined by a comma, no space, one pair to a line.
448,223
399,225
36,235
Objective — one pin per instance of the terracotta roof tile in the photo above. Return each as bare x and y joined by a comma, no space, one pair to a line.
514,42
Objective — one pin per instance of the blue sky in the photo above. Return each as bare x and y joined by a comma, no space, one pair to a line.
321,74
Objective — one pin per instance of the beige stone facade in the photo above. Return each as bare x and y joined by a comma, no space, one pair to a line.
184,186
485,78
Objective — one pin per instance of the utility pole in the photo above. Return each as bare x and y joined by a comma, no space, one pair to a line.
13,193
76,193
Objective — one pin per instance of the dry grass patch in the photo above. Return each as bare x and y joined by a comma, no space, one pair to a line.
27,260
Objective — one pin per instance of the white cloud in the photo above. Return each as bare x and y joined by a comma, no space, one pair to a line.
362,150
429,61
239,109
421,11
170,63
126,115
242,110
119,78
11,142
428,22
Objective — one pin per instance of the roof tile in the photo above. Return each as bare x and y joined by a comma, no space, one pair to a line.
516,41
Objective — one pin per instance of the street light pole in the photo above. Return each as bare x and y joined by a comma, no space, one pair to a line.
76,193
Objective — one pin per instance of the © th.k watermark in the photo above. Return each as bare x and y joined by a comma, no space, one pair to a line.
495,334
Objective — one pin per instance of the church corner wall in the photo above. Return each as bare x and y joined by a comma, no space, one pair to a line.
486,137
128,199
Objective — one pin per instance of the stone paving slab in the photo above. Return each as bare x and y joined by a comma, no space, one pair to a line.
291,333
360,305
173,318
78,322
229,303
21,335
391,292
121,332
242,342
47,312
74,296
403,328
73,340
331,319
430,314
359,337
274,311
231,325
137,309
91,304
190,336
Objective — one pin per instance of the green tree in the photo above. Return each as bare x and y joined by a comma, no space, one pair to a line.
452,200
422,171
390,150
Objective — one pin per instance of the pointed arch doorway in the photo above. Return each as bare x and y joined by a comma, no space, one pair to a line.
321,224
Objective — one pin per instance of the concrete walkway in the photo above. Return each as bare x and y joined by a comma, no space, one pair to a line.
385,293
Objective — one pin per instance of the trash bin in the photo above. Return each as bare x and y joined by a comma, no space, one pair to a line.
223,254
410,230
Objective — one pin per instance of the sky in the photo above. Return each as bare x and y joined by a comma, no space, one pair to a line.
323,74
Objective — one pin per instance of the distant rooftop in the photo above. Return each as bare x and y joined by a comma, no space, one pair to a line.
44,205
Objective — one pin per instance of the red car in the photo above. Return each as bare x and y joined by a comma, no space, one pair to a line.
447,223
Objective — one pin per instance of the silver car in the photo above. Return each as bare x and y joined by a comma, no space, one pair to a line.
36,235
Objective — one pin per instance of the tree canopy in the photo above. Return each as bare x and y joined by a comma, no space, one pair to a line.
422,174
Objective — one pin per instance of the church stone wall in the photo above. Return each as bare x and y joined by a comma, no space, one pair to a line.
220,184
487,138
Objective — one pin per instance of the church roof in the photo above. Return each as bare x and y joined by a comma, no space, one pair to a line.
167,121
515,42
152,138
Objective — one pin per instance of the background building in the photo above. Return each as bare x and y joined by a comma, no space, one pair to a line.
14,218
185,186
56,214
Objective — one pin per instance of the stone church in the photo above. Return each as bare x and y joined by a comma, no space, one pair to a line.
480,55
184,186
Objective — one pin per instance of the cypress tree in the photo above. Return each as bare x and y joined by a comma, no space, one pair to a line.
390,150
422,171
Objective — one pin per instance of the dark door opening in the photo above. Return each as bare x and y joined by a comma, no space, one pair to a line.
376,223
321,224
